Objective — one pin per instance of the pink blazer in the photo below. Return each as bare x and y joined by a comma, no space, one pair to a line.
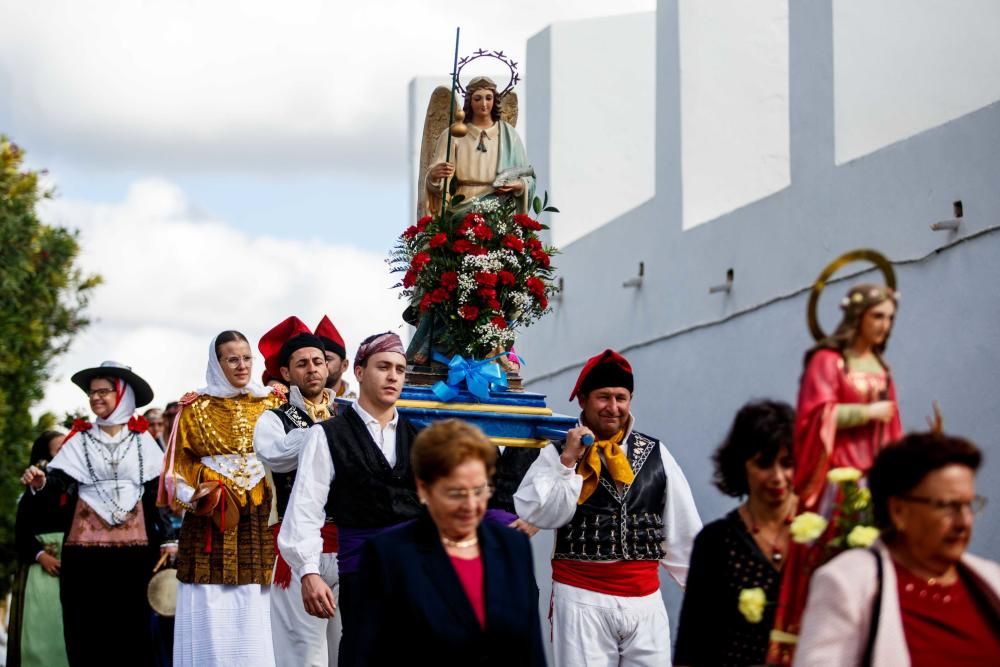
838,611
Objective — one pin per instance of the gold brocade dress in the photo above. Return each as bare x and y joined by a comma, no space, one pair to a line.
215,443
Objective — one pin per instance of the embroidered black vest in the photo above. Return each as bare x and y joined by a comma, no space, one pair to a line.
366,492
291,418
512,464
620,526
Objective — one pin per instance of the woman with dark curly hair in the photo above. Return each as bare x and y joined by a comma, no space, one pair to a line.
745,549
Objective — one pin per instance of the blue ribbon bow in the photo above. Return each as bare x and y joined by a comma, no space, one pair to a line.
480,377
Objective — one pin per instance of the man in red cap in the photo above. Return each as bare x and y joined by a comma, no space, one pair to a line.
356,467
621,507
297,356
336,359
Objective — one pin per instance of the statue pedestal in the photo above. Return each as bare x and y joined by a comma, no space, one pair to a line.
512,418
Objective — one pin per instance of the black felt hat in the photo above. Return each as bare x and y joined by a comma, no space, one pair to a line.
143,392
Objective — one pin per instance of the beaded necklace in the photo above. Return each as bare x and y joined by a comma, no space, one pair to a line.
118,513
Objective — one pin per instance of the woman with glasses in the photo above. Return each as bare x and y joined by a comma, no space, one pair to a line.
450,589
226,551
917,598
105,475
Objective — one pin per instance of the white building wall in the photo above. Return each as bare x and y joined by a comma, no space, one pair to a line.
699,356
592,138
903,66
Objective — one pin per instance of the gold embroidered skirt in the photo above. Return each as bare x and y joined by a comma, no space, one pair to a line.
241,556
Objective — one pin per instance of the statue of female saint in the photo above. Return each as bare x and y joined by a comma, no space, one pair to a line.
847,413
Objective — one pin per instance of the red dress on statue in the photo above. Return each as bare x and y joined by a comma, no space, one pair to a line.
819,446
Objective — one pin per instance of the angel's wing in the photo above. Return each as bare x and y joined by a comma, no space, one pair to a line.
508,110
435,122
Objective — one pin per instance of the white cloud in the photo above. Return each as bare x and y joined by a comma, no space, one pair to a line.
242,84
173,280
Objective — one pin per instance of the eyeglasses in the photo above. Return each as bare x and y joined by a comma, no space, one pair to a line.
460,495
951,507
100,393
234,362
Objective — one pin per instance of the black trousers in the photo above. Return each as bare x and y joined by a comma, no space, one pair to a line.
349,596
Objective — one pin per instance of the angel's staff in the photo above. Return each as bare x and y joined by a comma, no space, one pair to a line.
456,126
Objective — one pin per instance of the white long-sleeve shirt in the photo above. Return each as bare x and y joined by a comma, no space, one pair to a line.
299,539
547,498
278,450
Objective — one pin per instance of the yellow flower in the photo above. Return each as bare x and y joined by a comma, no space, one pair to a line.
862,536
863,499
841,475
752,603
807,527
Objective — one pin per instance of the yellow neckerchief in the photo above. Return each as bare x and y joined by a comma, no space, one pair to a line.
321,410
614,458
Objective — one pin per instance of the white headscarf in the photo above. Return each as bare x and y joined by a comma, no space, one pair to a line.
220,386
124,408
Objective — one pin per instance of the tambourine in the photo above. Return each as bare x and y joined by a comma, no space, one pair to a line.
161,592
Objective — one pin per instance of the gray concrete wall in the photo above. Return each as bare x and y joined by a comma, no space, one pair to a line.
700,356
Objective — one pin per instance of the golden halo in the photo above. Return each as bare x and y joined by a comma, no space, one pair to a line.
873,256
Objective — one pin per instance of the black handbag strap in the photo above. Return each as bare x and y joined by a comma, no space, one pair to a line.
866,659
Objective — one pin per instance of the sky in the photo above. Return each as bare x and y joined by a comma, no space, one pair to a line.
231,163
227,164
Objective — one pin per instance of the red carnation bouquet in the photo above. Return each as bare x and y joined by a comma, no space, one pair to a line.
484,272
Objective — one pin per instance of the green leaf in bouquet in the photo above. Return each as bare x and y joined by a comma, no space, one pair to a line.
456,200
551,209
536,205
453,186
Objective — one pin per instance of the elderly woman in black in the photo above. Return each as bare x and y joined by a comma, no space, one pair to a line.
745,549
917,597
35,630
450,589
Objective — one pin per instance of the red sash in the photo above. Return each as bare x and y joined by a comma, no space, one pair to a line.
282,571
621,578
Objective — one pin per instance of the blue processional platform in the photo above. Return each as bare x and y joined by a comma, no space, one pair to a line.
508,418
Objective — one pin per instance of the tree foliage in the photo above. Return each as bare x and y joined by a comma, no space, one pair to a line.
43,295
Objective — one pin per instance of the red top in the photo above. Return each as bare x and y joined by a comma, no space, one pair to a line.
943,625
470,573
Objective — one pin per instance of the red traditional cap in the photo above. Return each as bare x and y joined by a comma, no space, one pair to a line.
607,369
271,343
332,339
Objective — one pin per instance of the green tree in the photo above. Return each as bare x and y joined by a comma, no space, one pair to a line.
43,295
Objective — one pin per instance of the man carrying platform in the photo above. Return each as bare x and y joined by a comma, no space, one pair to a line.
620,506
297,356
355,468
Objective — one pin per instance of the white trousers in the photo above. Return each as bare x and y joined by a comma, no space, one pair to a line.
222,626
301,640
596,630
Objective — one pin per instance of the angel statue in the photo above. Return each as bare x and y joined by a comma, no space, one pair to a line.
478,171
488,161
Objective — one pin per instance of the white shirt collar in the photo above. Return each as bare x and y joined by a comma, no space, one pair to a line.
369,420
